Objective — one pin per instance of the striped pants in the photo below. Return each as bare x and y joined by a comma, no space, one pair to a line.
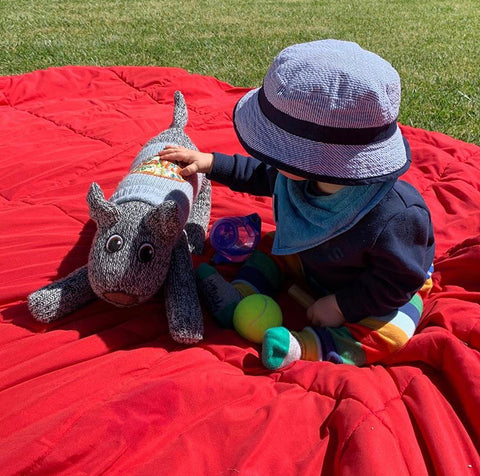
371,339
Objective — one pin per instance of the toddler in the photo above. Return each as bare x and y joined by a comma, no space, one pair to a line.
324,142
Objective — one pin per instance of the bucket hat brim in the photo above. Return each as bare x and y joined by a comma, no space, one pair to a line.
342,164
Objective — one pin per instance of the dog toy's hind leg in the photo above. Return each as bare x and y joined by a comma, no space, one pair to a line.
61,297
197,225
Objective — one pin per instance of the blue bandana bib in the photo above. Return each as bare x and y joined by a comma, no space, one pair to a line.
305,220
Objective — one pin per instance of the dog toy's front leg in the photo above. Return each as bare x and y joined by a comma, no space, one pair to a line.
61,297
184,313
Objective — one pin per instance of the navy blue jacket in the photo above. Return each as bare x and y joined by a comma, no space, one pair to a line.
374,267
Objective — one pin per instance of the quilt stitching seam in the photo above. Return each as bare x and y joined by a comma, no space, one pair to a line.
376,414
130,85
65,126
72,180
192,108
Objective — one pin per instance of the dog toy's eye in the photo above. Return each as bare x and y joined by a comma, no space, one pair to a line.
146,253
114,243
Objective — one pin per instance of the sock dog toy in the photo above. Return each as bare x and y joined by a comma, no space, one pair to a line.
145,235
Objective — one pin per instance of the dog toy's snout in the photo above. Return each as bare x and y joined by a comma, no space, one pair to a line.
121,299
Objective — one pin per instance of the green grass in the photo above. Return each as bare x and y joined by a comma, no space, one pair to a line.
432,43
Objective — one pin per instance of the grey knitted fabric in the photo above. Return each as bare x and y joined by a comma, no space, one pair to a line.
183,309
145,234
61,297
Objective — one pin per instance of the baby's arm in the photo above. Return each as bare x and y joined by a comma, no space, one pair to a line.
238,172
325,312
194,160
321,312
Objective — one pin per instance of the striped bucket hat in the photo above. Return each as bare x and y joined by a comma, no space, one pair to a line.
327,111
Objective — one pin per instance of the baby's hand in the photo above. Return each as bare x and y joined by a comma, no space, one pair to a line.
195,161
325,312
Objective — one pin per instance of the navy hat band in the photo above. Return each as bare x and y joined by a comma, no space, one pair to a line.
324,134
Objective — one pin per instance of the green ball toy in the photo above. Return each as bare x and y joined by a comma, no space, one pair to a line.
254,315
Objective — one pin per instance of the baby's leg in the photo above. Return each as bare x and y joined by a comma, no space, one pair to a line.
259,274
375,338
366,342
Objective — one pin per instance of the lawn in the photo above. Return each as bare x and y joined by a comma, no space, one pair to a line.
432,43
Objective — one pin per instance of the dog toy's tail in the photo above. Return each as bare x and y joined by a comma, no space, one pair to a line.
180,113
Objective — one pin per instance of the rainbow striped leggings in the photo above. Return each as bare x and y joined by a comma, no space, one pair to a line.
371,339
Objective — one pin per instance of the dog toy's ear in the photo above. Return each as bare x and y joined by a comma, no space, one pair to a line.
105,213
164,219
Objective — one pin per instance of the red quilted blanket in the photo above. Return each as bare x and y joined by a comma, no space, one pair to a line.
106,391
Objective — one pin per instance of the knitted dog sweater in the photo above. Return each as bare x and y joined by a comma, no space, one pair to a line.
153,181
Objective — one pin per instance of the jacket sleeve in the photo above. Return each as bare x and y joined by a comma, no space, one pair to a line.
243,174
398,265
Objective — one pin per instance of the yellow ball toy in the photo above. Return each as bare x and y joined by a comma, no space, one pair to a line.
254,315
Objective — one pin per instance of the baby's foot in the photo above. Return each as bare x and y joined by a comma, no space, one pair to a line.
220,296
281,347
